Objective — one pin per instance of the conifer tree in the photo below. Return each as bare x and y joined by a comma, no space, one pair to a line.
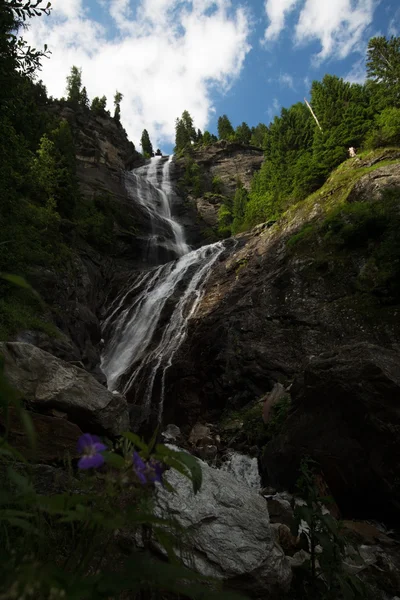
84,98
225,129
185,133
74,85
243,133
383,68
117,103
98,105
146,144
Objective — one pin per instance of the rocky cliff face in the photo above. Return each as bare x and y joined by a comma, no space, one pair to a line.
322,279
76,293
228,162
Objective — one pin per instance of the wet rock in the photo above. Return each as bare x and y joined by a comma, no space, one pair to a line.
46,383
366,533
208,452
231,537
56,438
200,435
171,433
277,393
345,415
243,468
280,509
286,540
298,559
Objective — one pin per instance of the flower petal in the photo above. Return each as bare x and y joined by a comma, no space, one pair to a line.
99,447
86,440
91,462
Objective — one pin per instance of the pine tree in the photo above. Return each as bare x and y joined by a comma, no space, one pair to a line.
225,129
188,124
243,133
239,208
84,98
117,103
98,105
258,134
74,85
146,144
383,68
185,133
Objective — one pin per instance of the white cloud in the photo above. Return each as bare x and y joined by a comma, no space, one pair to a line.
358,72
286,80
276,11
164,59
393,28
274,110
338,25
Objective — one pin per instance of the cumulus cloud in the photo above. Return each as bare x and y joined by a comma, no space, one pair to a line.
276,11
338,26
164,57
286,80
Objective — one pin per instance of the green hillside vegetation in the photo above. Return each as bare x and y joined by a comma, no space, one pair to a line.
299,156
348,226
42,212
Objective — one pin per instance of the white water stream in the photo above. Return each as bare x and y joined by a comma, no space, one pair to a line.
142,339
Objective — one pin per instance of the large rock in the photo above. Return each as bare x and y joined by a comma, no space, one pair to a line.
346,415
229,533
228,162
56,438
46,382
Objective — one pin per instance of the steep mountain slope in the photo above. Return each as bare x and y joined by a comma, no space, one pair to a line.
323,278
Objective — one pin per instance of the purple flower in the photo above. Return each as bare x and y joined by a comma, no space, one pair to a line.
147,472
90,447
140,467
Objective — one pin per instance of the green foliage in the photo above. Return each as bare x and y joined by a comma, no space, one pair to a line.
225,220
117,104
96,221
258,134
323,575
74,85
192,180
225,129
243,133
299,156
383,69
386,131
185,133
239,208
15,53
62,545
254,432
217,185
146,144
98,106
307,230
208,138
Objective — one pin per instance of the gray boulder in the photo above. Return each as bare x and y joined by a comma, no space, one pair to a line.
229,535
46,382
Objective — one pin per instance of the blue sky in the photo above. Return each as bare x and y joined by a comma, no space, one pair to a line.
243,58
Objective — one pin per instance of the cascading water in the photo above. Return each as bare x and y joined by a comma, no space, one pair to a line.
148,320
151,187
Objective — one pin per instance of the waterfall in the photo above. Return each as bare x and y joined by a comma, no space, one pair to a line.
150,186
148,320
